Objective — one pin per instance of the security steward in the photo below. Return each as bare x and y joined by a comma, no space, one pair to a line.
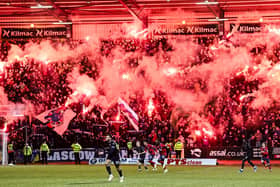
11,154
76,147
27,153
178,148
44,149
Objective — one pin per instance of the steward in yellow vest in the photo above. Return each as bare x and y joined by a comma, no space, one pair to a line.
11,154
76,149
44,149
27,153
178,148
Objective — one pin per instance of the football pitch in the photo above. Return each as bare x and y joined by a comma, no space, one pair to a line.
96,176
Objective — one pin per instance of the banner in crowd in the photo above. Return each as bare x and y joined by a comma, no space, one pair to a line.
58,119
26,33
187,30
247,27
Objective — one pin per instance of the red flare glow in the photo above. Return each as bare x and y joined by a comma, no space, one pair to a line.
244,71
2,64
125,76
242,97
137,34
67,102
209,133
198,133
118,117
170,71
87,92
85,109
151,107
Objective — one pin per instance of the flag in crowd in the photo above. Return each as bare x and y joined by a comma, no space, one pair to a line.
58,119
129,113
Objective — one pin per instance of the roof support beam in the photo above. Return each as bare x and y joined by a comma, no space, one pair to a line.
58,12
134,3
130,10
213,11
143,19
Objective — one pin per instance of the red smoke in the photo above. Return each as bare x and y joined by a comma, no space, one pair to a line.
187,83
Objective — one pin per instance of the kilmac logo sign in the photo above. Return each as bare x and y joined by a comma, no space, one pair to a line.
187,30
247,27
13,33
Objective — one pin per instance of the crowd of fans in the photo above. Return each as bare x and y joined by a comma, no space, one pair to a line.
46,87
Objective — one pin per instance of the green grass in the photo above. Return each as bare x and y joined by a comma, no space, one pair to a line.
95,176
